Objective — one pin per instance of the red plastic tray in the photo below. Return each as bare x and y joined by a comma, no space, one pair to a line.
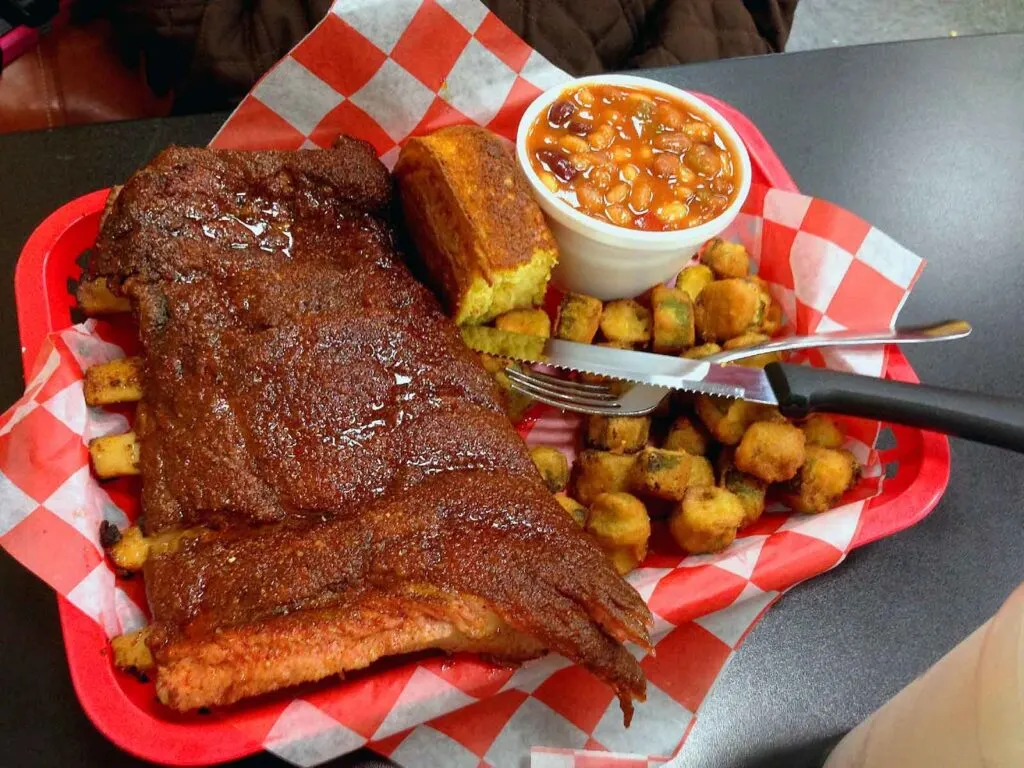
125,711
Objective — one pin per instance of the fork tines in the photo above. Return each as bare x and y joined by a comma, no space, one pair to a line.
581,396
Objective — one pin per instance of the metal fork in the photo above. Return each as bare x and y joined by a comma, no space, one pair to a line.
639,400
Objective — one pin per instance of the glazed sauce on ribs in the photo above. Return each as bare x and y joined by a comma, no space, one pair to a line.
309,407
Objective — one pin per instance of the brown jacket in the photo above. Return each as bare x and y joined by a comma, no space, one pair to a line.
210,52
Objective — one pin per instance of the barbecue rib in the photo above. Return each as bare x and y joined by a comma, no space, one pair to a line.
307,405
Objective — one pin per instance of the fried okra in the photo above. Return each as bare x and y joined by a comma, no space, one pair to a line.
701,472
621,526
772,318
749,339
728,308
672,309
576,510
626,320
706,520
532,322
821,430
579,317
552,465
515,402
597,472
663,410
686,435
625,559
726,259
117,381
131,653
618,434
825,476
771,451
704,350
132,548
617,386
496,367
694,279
752,339
748,489
115,455
727,419
660,473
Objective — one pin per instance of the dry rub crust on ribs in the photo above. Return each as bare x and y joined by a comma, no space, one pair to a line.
312,644
306,401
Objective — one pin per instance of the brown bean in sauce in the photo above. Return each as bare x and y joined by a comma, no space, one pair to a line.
560,112
558,164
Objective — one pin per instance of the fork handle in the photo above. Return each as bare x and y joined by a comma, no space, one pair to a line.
986,419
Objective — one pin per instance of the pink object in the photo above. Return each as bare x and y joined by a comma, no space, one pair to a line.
16,42
21,39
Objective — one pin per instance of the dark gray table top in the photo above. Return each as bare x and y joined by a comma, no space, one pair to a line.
923,139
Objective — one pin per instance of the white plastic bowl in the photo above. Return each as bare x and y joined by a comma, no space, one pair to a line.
601,259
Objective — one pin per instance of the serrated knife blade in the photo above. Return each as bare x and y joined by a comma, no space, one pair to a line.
629,365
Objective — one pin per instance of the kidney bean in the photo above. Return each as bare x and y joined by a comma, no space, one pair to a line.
560,112
672,142
669,116
558,164
665,166
579,125
703,159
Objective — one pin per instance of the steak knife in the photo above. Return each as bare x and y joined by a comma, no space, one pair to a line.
797,390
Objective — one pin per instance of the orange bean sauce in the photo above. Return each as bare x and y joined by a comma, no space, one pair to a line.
633,157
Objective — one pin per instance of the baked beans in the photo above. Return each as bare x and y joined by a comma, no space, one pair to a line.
633,157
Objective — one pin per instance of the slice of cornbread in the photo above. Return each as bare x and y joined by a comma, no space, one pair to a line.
478,230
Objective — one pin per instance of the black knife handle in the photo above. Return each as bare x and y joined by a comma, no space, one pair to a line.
982,418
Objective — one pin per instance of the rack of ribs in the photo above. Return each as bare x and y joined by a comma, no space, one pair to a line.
328,477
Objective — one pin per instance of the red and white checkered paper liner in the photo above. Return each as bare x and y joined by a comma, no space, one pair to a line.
383,71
